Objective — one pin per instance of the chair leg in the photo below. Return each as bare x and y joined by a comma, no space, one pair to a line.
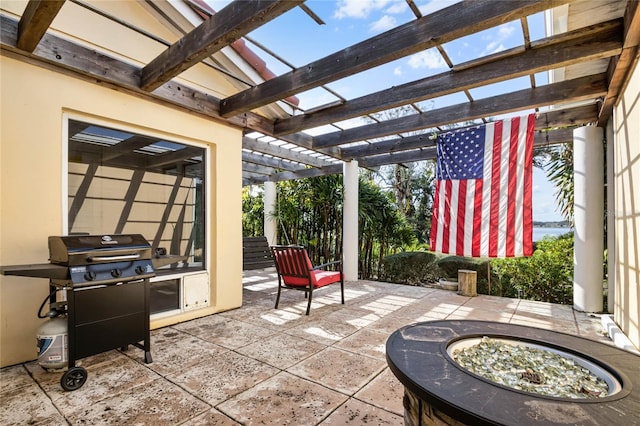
309,303
342,290
278,296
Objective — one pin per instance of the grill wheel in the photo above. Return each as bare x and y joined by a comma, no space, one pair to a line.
73,379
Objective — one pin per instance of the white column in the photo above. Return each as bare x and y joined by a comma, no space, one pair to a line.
350,221
611,220
270,222
588,186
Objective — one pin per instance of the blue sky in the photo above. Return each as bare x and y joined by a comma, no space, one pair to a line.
299,40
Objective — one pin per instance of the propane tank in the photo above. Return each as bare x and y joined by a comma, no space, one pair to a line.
52,343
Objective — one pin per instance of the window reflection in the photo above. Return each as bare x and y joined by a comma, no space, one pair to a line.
128,183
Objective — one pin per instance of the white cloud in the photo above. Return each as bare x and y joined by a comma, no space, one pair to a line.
496,44
385,23
493,47
430,59
397,71
397,8
358,8
505,30
435,5
363,8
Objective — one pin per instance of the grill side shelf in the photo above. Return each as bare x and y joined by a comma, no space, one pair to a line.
37,270
160,261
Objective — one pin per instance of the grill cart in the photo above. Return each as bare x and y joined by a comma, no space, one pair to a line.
104,284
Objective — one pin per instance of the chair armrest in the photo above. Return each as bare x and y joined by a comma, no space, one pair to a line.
327,264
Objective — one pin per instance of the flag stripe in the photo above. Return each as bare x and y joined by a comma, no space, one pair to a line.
446,222
494,178
434,239
512,189
478,211
462,207
527,202
486,195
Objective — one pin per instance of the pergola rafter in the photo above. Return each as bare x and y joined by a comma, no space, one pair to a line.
593,42
429,31
286,150
578,89
220,30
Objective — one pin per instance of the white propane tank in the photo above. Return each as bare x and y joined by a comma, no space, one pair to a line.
52,344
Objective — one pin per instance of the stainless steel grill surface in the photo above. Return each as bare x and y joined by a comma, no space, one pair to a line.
101,259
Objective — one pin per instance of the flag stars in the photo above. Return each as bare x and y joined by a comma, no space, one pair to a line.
460,154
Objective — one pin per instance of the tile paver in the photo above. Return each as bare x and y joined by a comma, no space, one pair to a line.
283,400
259,365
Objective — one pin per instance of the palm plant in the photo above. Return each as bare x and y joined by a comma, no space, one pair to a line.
252,212
559,171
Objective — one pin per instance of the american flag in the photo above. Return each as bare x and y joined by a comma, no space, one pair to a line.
482,205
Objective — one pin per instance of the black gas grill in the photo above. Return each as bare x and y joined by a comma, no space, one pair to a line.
103,259
106,281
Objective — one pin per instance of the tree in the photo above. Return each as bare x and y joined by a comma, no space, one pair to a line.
557,162
252,212
560,173
383,229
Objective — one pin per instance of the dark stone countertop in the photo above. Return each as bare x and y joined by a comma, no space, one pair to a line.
417,356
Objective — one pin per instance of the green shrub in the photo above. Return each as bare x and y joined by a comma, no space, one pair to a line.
449,265
413,268
547,276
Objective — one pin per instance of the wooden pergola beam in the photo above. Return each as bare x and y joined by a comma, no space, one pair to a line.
276,163
126,146
258,169
621,66
575,90
541,138
278,151
221,29
62,55
34,22
551,137
439,27
307,173
547,119
590,43
176,158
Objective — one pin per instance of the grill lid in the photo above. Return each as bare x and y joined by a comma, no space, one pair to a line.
86,249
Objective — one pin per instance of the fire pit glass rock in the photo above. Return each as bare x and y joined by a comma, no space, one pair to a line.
533,368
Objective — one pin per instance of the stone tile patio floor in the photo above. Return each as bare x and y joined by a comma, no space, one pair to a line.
258,365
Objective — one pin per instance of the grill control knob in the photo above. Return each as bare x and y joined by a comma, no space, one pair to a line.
115,273
139,270
89,275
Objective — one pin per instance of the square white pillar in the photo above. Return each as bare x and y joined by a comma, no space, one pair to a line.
350,221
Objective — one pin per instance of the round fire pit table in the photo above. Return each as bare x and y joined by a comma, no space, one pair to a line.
438,390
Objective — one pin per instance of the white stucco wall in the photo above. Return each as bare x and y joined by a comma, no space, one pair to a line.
627,209
33,104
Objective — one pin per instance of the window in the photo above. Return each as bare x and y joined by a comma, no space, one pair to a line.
126,183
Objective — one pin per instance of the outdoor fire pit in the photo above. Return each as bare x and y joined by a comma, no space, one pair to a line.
441,386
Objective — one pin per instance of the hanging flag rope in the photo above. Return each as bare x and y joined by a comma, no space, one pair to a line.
482,205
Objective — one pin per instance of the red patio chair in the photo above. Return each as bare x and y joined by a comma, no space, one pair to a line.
295,271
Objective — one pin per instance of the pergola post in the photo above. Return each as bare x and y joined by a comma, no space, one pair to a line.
611,220
350,221
588,186
270,222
